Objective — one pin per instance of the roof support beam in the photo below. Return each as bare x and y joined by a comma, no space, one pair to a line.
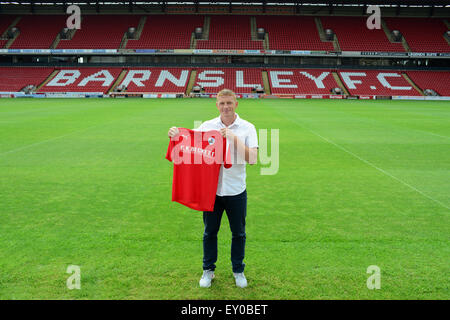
372,2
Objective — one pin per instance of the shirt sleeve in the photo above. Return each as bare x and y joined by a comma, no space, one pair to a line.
169,150
252,139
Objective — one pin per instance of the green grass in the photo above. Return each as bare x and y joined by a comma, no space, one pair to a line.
360,183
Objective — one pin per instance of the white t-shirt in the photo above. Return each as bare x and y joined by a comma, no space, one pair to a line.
232,180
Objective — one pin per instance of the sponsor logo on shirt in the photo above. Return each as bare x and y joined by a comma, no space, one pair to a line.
205,153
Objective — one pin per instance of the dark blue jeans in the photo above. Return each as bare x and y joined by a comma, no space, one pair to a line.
236,209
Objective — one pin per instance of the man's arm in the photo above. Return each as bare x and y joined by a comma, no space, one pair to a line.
249,154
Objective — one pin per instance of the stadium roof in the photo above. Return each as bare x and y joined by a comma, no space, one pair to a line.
268,2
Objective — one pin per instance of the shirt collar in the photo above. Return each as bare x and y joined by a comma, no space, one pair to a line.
235,123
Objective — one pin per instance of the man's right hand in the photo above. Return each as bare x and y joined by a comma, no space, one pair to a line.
173,132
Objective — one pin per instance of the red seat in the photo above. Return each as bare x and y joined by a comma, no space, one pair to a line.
16,78
100,32
439,81
421,34
36,31
293,33
230,32
167,32
353,35
5,22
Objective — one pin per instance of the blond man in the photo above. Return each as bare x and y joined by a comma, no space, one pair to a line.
231,194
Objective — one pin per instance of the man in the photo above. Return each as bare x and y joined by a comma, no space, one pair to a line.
231,194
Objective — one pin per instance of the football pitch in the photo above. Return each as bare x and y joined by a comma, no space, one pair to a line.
85,182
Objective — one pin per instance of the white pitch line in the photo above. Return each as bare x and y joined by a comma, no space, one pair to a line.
65,135
435,134
45,141
372,165
379,169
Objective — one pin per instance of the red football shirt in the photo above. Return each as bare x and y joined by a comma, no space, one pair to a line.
197,158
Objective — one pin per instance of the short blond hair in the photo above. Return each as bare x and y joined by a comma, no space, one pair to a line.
226,93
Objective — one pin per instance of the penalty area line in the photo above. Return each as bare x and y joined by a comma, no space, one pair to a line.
379,169
45,141
365,161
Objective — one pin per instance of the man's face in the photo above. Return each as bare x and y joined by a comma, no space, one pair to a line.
226,105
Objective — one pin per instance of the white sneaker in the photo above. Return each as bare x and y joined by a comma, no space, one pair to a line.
241,281
205,281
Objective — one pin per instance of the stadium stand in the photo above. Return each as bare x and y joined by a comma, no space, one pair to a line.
157,34
293,33
38,31
421,34
100,32
241,80
228,28
5,22
156,80
376,83
88,79
230,32
16,78
301,81
227,32
353,35
438,81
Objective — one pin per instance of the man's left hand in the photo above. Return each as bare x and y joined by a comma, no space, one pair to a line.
227,133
